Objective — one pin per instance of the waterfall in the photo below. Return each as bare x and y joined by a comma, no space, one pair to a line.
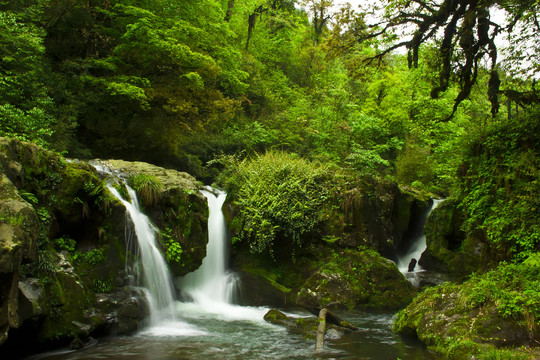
153,272
418,246
211,283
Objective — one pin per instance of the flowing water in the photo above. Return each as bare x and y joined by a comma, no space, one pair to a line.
211,284
210,327
155,274
418,246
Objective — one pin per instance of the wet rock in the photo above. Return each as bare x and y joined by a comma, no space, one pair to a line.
181,212
122,311
306,326
351,279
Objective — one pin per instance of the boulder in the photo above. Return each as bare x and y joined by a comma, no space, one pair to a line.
123,311
352,279
30,299
18,244
492,313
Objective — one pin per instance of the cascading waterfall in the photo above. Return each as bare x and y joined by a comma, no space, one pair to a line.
211,286
211,283
154,272
418,246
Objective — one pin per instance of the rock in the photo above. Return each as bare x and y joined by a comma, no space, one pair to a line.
30,299
478,316
375,213
123,311
169,178
412,265
306,326
18,244
181,213
356,279
18,228
448,249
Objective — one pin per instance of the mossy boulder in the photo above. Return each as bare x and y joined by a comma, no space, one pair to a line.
449,250
356,279
180,212
61,242
265,281
493,315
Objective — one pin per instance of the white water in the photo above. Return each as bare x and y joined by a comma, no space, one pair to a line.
211,286
417,248
154,272
211,283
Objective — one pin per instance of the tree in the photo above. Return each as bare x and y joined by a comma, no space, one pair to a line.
26,109
465,32
320,12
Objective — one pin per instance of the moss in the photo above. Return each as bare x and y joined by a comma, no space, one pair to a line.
489,312
356,279
268,276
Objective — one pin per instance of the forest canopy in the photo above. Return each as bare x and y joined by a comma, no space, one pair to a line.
182,83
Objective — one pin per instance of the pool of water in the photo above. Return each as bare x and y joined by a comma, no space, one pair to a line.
225,331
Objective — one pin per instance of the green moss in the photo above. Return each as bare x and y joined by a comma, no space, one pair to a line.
356,279
269,276
497,309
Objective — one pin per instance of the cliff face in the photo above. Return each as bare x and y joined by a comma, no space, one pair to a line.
341,266
62,246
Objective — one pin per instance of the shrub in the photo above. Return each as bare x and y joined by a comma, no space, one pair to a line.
148,188
280,197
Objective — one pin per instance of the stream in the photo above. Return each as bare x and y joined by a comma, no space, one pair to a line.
208,326
234,332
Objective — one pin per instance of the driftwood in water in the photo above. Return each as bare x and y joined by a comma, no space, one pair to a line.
319,344
331,318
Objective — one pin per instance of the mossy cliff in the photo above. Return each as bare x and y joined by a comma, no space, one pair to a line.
495,315
449,249
62,247
180,212
315,234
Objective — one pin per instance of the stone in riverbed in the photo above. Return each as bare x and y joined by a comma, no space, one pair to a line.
306,326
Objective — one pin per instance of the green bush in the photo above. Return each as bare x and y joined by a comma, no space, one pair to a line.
280,198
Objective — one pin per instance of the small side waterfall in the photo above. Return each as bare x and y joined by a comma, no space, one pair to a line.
154,274
407,263
211,283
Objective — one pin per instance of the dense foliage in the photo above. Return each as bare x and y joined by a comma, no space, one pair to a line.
178,83
276,98
280,200
500,186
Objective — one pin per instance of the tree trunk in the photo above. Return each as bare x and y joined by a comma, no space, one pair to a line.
319,345
228,14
